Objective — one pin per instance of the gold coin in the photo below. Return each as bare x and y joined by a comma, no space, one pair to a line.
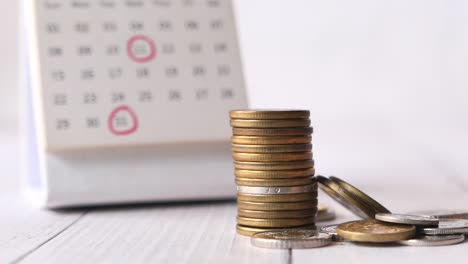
275,182
371,230
277,214
277,123
282,140
250,231
274,166
325,214
239,156
322,208
270,132
358,194
271,148
269,114
284,174
343,197
294,206
283,222
272,198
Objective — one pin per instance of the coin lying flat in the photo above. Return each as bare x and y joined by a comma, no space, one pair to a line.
275,198
445,214
294,131
331,230
269,114
340,195
428,241
273,123
280,206
277,214
271,148
275,182
274,166
281,140
279,223
277,190
268,157
448,227
371,230
325,215
250,231
358,194
280,174
292,238
407,219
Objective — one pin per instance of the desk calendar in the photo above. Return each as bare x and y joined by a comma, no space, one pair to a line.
126,99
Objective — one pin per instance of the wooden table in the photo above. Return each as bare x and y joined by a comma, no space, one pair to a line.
205,232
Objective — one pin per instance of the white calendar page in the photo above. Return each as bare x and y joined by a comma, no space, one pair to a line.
133,72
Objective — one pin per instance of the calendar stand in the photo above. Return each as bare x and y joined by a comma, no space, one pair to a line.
128,101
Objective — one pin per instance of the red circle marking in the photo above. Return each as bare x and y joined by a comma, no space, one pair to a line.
114,113
148,41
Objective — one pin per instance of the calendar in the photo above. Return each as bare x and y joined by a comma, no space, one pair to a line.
114,82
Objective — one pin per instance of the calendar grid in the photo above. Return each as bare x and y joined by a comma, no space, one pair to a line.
137,71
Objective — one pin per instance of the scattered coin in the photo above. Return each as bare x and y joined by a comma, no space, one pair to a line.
274,166
291,239
269,114
283,222
280,206
408,219
277,214
340,195
250,231
325,215
275,182
265,132
274,198
276,123
277,190
428,241
280,174
271,156
331,230
448,227
371,230
257,140
282,149
360,195
445,214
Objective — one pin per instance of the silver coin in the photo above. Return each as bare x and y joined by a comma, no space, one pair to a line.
291,238
407,219
429,241
277,190
331,230
445,214
327,215
447,227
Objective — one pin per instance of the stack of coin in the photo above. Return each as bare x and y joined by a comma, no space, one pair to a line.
274,170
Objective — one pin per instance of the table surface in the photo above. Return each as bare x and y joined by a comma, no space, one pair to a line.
205,232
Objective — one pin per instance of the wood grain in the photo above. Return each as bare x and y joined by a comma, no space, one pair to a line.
186,233
24,228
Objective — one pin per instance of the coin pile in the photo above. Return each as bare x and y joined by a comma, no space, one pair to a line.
381,226
274,170
434,228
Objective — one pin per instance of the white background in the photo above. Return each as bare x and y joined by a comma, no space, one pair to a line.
383,79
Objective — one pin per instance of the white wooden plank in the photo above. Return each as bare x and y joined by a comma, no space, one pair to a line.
156,234
24,228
